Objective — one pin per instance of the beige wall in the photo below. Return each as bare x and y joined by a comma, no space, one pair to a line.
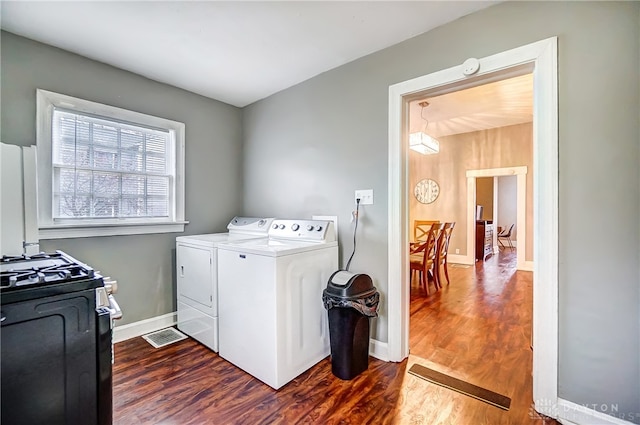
496,148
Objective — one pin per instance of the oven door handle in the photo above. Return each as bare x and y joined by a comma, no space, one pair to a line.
114,308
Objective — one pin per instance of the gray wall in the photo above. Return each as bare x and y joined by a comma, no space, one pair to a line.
143,265
307,149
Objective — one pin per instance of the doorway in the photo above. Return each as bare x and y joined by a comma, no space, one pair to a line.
521,200
539,58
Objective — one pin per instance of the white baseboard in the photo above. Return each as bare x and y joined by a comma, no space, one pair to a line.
526,266
570,413
132,330
566,422
461,259
379,350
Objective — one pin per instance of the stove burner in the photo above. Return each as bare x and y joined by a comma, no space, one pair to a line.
41,269
10,258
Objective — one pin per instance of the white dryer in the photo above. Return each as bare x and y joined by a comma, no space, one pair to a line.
273,324
197,276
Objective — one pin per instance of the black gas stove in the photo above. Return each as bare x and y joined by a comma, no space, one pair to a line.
46,274
56,341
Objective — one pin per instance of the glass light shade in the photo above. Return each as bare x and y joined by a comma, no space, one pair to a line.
423,143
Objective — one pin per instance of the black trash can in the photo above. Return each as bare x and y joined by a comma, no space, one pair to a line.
351,299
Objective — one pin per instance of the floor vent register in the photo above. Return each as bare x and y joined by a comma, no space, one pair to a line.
460,386
164,337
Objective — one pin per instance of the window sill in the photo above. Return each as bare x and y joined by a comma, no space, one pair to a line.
68,231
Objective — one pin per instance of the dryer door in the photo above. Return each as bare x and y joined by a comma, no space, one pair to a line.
196,274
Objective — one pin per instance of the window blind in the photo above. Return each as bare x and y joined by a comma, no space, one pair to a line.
105,168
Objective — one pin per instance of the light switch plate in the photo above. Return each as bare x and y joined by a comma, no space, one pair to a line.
365,196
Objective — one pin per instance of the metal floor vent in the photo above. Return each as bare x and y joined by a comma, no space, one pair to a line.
164,337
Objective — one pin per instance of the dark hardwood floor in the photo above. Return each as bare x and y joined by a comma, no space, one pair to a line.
476,329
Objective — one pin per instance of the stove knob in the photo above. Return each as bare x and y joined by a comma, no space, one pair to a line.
275,226
295,227
309,227
111,286
319,228
281,226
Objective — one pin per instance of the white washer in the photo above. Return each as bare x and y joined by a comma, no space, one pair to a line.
273,324
197,276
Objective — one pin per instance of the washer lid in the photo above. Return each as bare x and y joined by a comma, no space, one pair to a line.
274,247
240,228
212,240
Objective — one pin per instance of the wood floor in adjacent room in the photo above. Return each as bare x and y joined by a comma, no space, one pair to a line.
477,329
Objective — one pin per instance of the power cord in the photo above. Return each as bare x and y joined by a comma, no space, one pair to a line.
354,233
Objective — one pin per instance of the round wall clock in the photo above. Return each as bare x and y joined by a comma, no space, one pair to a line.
426,191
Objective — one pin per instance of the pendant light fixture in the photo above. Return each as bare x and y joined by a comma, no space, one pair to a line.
421,141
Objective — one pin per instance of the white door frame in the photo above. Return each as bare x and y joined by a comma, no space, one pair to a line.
521,211
540,58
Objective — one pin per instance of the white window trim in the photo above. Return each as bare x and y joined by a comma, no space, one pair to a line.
46,101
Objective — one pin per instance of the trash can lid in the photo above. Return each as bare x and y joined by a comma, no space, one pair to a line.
349,285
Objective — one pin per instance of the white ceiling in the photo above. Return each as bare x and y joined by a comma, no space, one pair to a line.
493,105
234,51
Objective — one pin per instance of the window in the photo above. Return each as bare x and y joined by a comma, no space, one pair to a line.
107,171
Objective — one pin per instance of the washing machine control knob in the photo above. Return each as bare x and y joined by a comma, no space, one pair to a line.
295,227
309,227
281,226
275,226
319,228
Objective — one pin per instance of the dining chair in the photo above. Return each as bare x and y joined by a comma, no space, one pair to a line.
443,251
423,257
421,229
506,234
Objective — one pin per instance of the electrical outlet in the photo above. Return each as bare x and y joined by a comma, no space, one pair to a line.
365,196
457,250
